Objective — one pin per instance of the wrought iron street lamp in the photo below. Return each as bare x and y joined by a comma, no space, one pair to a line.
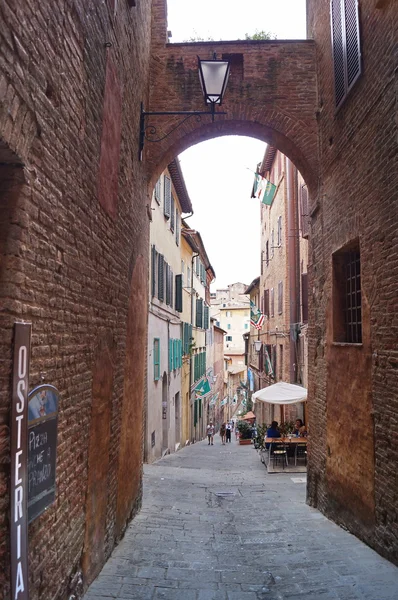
213,76
257,345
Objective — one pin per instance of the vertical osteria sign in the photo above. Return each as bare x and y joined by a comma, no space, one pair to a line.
19,463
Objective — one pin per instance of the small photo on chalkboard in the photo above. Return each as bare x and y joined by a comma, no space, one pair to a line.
43,404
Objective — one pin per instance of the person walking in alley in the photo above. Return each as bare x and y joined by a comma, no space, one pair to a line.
228,430
222,433
210,432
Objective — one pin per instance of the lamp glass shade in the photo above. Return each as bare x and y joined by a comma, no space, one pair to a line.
257,345
213,75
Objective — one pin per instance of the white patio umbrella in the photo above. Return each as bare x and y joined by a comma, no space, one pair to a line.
281,393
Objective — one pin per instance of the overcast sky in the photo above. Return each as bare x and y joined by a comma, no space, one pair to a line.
218,173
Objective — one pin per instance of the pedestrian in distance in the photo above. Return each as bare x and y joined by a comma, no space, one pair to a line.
228,430
222,433
210,432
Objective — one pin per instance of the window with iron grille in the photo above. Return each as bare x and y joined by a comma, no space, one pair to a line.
266,253
347,298
167,197
280,297
304,210
346,46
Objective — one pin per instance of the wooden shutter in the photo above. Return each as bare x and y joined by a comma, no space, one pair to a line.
266,302
352,41
156,359
178,295
206,318
167,197
158,188
170,355
167,273
304,211
172,213
153,270
338,51
199,312
272,308
280,297
346,46
304,297
171,283
160,277
177,228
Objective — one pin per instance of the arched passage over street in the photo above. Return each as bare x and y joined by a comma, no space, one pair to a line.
271,95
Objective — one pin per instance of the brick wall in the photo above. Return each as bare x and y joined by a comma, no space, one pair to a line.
353,454
72,76
270,96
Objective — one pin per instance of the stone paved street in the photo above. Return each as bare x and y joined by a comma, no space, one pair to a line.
215,526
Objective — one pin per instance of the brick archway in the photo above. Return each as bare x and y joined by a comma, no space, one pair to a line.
271,95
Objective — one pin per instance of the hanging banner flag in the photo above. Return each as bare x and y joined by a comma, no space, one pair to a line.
256,316
267,362
203,388
224,402
263,189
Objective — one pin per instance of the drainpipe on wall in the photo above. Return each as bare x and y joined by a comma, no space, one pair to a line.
191,358
293,264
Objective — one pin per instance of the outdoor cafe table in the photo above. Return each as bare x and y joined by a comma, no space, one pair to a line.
289,441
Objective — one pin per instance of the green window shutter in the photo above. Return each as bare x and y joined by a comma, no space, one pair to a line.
200,408
185,338
206,318
156,359
199,312
180,355
175,357
170,356
167,197
178,285
195,413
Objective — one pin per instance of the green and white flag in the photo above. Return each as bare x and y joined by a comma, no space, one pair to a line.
263,189
203,388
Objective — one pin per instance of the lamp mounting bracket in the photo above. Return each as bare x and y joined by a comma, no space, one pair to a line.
150,133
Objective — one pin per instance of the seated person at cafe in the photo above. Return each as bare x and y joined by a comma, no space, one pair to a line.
273,432
299,428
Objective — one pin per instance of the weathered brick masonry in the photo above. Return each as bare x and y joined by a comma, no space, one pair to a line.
353,389
271,95
73,250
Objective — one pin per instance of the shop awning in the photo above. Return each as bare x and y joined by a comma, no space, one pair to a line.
281,393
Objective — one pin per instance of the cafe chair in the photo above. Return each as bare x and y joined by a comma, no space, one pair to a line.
300,453
278,453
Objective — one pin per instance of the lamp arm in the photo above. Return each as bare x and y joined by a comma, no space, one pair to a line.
149,132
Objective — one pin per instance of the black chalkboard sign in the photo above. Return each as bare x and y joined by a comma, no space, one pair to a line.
42,448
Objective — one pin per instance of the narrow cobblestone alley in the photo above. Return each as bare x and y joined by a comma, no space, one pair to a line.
215,526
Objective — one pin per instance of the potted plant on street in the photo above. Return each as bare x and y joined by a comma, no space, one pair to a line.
245,433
